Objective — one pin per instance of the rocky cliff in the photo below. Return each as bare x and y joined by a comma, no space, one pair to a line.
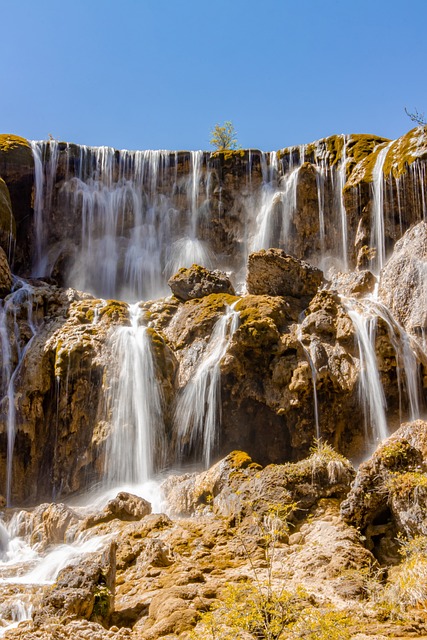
314,334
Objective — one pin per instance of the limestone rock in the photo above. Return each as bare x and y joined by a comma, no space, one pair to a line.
189,494
49,523
125,506
5,275
197,282
85,590
403,280
389,494
236,486
354,283
273,272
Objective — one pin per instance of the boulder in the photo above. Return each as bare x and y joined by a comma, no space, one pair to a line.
191,493
403,280
272,272
197,282
85,590
125,506
49,524
354,283
389,495
5,275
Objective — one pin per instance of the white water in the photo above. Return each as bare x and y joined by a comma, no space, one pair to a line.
371,391
44,183
310,359
134,207
136,405
198,410
13,351
364,315
377,227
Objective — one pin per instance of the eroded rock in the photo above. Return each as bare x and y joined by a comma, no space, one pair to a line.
389,495
125,506
84,591
5,275
272,272
197,282
402,285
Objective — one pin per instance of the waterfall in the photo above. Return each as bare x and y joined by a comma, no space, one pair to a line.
135,401
278,205
308,354
364,315
370,388
377,226
44,183
341,206
13,353
198,411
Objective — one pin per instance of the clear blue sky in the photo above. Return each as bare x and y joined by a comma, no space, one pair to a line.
148,74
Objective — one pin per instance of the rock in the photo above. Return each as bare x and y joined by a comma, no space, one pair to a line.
273,272
5,275
125,506
197,282
7,220
189,494
389,495
49,524
354,283
85,590
402,285
236,486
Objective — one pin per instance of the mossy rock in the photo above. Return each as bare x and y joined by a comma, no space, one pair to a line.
7,219
405,150
14,151
163,356
208,308
402,153
116,310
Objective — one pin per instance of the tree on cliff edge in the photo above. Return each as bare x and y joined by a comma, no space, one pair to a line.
417,117
224,137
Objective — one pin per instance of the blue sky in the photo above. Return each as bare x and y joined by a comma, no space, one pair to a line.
148,74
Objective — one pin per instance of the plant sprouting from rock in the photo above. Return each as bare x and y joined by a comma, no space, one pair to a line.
224,137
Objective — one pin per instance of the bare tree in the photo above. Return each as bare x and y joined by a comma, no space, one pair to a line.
417,117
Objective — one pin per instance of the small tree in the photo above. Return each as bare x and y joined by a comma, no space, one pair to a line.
224,137
417,117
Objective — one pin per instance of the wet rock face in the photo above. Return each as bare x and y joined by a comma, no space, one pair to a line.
274,273
197,282
5,275
7,219
403,280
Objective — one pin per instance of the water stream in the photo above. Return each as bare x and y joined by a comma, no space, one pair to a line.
198,410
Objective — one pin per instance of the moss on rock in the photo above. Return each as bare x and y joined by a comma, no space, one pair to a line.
14,152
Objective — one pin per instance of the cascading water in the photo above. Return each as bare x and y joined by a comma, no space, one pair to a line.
198,410
136,226
377,229
44,183
13,352
135,401
364,315
308,354
371,390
